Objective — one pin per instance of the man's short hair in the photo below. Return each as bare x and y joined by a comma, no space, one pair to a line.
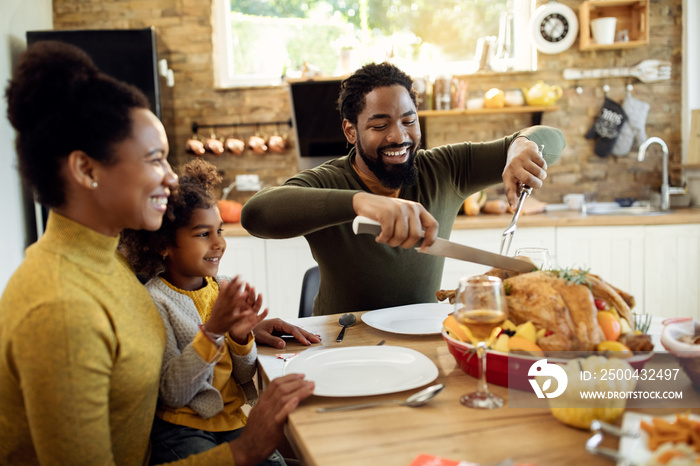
353,90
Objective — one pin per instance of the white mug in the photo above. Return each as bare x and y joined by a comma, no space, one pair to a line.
574,201
603,30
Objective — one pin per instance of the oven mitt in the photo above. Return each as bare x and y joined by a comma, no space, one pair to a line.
606,129
634,132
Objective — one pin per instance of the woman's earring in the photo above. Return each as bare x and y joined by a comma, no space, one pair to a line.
94,185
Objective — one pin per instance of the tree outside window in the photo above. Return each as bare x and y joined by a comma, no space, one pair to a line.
262,42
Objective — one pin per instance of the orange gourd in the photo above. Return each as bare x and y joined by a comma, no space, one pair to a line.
230,211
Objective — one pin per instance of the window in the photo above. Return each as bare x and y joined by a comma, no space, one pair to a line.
259,42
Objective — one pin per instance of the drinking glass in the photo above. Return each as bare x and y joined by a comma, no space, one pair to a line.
480,304
539,256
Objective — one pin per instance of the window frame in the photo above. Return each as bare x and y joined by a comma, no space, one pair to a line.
525,53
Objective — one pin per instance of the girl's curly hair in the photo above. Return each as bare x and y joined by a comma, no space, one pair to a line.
143,249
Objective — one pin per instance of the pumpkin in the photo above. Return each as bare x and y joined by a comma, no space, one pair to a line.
230,211
570,410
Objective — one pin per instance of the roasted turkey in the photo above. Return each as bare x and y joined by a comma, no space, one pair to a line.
562,302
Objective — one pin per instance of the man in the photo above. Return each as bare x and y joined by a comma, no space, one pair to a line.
386,177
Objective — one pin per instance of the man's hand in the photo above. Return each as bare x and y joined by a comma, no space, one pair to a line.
403,222
263,333
265,426
524,166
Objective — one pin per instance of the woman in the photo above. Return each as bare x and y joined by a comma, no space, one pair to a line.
80,339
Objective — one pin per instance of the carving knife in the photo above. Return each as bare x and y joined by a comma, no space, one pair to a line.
445,248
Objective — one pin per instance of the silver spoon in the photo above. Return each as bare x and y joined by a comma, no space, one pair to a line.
346,320
417,399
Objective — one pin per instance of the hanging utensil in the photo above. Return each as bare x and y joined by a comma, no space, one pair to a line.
214,145
195,146
509,232
234,144
647,71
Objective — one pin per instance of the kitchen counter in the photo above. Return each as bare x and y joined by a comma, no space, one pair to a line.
558,218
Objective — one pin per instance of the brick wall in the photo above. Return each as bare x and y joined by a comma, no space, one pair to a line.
184,39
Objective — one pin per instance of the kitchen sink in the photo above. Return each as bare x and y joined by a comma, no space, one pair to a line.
617,210
611,208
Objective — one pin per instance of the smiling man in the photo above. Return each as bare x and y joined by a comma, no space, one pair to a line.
412,192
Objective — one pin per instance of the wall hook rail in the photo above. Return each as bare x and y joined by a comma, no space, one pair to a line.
648,71
196,126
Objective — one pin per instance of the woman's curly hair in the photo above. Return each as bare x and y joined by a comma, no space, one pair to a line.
353,90
60,102
143,249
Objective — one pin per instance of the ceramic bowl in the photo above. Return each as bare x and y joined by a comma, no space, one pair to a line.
511,369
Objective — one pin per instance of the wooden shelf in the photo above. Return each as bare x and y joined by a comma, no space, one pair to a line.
534,110
632,15
616,46
487,111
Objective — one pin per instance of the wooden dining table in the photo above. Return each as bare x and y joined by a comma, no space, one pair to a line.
395,435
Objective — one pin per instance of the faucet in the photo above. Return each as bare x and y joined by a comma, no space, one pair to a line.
666,191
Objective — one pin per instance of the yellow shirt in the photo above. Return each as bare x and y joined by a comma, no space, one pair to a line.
231,417
81,344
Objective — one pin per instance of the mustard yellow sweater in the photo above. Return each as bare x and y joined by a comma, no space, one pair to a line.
81,345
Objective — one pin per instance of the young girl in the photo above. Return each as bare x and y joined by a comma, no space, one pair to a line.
210,355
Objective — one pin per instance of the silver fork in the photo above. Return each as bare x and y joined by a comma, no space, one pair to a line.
593,443
509,232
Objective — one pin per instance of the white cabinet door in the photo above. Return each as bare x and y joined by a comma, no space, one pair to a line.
616,254
245,256
490,240
672,270
287,261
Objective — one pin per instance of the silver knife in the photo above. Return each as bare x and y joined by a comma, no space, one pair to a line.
444,248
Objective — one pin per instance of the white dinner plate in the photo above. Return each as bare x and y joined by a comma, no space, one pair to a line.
363,370
636,450
412,319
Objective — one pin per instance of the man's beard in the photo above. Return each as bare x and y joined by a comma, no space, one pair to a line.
391,176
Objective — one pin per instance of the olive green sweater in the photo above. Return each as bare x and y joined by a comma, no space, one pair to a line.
357,273
81,345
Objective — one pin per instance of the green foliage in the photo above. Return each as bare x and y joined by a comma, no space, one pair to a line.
507,288
451,26
573,276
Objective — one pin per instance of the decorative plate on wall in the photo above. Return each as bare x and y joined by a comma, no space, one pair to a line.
553,27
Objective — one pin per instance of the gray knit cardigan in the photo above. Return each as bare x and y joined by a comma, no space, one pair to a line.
186,379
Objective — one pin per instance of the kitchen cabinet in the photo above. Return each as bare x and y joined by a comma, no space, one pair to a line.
245,256
616,254
490,240
659,265
274,267
672,269
287,261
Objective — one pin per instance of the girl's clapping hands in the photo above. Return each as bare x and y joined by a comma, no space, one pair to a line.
235,311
